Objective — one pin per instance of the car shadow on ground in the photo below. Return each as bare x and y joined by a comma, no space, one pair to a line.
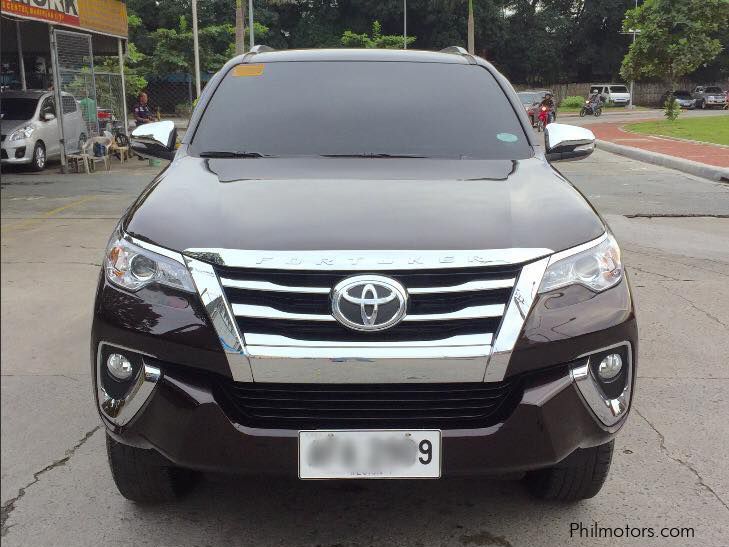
279,511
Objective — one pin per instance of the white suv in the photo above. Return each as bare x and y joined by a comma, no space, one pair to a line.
616,94
30,129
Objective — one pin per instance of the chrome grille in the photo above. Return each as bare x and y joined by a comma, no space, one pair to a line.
453,307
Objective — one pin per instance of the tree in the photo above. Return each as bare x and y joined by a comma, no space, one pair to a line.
376,40
173,50
676,37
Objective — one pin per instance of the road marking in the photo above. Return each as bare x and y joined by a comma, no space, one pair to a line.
48,214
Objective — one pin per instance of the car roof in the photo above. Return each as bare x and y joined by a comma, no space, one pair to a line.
403,55
29,94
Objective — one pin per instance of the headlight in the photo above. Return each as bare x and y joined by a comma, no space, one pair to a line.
131,267
597,268
22,133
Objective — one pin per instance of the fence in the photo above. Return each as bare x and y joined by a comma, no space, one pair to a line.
93,101
644,93
173,95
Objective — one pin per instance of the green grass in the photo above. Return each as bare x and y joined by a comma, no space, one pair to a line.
714,129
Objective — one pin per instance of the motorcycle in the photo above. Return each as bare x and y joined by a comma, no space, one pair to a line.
546,116
590,108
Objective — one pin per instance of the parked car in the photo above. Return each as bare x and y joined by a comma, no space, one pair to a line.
337,280
531,100
683,98
30,129
616,94
709,96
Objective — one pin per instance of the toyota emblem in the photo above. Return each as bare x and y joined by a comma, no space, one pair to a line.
369,302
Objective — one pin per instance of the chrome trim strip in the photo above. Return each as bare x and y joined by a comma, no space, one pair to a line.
368,354
574,250
353,260
486,285
519,306
265,312
474,312
412,369
272,287
277,340
608,411
220,314
177,257
121,411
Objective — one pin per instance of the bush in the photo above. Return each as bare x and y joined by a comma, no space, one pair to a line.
572,102
671,110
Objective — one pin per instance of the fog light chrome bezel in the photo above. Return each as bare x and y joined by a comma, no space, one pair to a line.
119,411
609,410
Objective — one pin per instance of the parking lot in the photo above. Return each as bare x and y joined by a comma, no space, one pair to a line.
670,468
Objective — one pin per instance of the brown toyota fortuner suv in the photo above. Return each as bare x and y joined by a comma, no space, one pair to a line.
361,264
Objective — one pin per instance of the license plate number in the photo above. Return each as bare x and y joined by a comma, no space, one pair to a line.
377,454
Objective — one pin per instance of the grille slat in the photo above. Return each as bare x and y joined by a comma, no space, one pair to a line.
311,406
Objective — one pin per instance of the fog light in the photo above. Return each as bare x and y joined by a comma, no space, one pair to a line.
610,366
119,366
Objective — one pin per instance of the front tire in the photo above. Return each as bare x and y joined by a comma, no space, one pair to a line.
38,162
583,111
579,476
144,476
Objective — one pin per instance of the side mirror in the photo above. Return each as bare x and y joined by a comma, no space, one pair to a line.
567,142
47,117
155,140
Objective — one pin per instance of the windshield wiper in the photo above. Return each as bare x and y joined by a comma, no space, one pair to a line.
232,154
373,155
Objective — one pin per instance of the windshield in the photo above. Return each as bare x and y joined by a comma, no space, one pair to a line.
682,94
713,90
618,89
16,108
374,109
528,98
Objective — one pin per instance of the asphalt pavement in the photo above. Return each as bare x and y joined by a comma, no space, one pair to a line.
670,467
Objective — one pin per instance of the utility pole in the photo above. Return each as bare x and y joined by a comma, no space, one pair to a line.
240,27
21,61
634,32
250,23
471,46
404,24
630,104
196,47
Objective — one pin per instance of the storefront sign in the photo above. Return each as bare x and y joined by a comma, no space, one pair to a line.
104,16
56,11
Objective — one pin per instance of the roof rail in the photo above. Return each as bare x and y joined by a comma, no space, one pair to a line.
260,48
458,50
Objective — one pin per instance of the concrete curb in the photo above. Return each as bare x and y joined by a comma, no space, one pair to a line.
711,172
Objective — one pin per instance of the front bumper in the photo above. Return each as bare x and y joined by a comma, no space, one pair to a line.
182,420
16,152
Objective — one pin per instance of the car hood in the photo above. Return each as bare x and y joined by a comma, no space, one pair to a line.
8,126
361,204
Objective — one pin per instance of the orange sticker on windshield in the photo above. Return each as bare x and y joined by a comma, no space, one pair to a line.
247,70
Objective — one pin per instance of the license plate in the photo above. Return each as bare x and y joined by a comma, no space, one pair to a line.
376,454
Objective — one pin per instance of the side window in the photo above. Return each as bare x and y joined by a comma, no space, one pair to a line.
48,107
69,104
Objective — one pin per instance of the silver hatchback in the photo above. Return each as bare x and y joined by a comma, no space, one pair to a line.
30,129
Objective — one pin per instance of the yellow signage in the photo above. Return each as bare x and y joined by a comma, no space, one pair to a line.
104,16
